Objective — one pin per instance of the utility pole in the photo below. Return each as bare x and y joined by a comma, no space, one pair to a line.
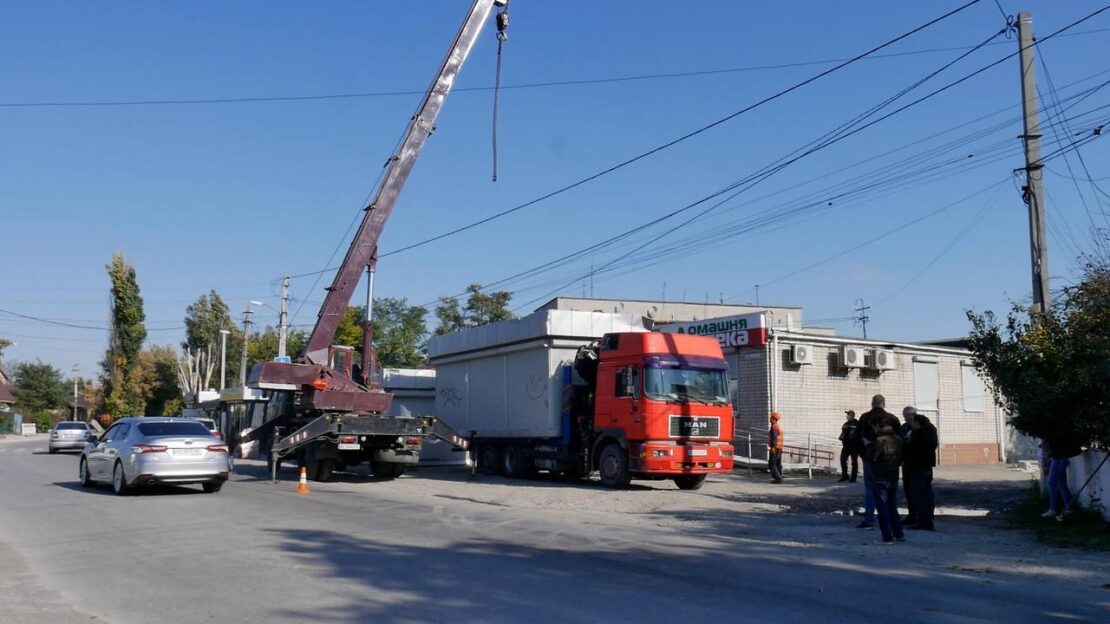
1033,192
246,340
283,316
861,315
223,358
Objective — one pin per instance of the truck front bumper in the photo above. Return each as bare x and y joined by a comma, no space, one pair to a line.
669,458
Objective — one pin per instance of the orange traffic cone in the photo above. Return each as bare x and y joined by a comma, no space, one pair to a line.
302,487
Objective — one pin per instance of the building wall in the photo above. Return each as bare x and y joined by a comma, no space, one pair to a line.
670,311
812,398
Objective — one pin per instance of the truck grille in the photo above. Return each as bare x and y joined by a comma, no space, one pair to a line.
695,426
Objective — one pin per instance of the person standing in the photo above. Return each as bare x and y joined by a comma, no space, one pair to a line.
1060,452
774,448
908,413
848,447
871,422
921,458
885,453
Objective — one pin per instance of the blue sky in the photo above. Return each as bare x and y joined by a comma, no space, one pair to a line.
232,196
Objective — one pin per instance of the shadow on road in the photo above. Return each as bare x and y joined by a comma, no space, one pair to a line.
106,490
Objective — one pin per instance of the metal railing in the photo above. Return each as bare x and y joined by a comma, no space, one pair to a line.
816,451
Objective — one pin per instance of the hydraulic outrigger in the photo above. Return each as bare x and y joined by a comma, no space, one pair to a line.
331,411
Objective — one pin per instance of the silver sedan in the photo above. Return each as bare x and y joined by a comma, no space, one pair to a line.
67,435
144,451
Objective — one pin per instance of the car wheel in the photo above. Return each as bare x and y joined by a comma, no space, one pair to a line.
212,488
119,480
83,473
51,450
613,466
489,459
690,482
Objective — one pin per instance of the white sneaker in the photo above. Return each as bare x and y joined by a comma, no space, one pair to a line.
1049,514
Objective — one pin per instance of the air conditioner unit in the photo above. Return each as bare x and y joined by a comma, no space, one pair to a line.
851,357
882,359
801,354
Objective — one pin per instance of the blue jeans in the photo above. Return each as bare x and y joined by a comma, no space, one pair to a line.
1058,486
868,495
886,504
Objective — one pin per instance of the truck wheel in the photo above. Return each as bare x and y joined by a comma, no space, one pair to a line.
613,466
690,482
516,463
387,470
489,460
324,468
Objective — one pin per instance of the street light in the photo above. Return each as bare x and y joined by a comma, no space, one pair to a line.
76,367
281,323
223,357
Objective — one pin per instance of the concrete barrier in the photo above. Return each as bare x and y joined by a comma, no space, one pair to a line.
1082,470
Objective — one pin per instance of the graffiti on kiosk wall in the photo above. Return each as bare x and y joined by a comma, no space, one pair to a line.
450,397
537,388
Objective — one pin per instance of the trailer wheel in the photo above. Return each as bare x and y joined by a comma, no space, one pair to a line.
387,470
516,462
613,466
690,482
489,459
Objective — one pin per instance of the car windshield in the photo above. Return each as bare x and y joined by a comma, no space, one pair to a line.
686,384
72,425
189,428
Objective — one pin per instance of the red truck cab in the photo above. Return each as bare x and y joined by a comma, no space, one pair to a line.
662,409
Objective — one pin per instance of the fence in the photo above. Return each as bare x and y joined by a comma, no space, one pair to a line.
807,451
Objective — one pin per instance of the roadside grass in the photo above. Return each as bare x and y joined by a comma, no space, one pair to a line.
1080,529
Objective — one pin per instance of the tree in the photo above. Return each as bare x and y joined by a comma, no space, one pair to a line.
263,345
399,331
39,392
1052,371
121,396
349,330
155,378
481,309
204,318
4,344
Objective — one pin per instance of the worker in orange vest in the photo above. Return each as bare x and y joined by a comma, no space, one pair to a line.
774,448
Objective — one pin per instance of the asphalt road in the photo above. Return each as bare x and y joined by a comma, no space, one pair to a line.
436,548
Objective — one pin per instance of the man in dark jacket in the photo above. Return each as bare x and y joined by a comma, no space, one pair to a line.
921,458
908,414
848,447
871,422
885,454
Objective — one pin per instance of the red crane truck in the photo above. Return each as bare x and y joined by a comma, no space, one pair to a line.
325,410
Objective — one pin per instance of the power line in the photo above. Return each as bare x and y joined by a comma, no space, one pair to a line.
520,86
684,137
825,141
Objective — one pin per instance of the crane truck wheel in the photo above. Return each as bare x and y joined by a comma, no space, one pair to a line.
690,482
324,468
387,470
613,466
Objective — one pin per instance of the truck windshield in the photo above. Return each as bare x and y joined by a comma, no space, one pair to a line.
686,384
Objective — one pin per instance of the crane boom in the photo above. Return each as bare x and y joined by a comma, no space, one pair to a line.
363,249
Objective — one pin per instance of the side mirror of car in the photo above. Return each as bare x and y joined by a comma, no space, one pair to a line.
91,438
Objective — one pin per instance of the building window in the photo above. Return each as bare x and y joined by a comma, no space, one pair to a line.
975,391
926,386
